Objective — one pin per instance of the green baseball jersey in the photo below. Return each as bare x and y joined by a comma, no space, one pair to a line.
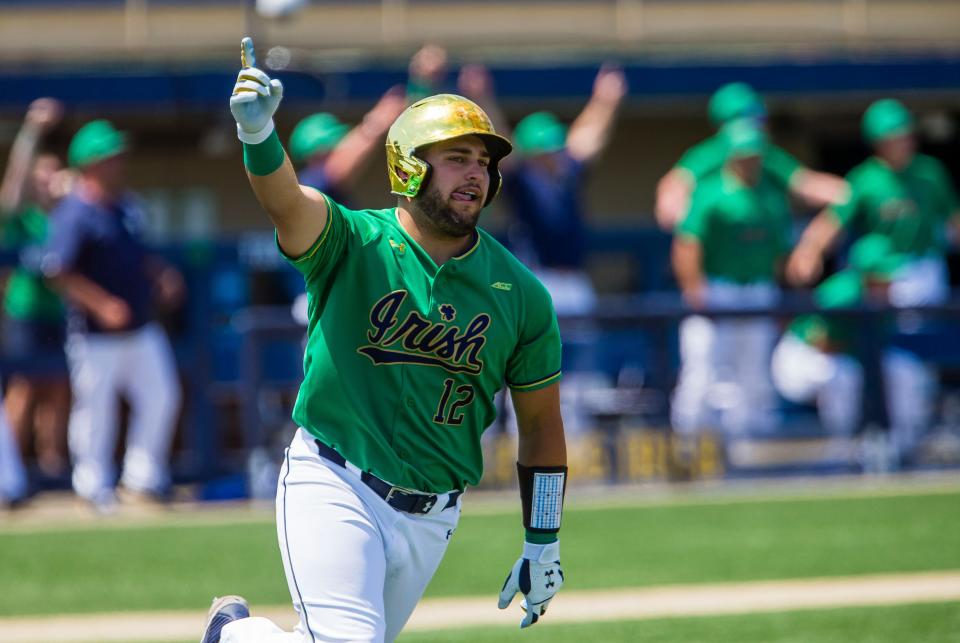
27,296
744,230
708,156
833,334
909,207
403,357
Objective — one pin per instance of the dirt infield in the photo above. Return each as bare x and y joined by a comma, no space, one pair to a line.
443,613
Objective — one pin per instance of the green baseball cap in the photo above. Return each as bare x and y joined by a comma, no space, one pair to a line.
873,254
94,142
540,133
315,134
886,118
743,138
734,101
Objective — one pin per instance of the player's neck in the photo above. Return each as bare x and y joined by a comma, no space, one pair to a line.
439,246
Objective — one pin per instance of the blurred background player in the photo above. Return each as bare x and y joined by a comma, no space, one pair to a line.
546,183
727,253
96,256
899,193
13,475
332,153
548,227
37,389
731,102
817,358
427,72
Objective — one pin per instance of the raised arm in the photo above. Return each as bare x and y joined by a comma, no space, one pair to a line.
590,131
298,213
427,72
350,154
42,115
673,197
476,83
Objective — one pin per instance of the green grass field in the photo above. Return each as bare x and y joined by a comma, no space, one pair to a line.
933,623
180,566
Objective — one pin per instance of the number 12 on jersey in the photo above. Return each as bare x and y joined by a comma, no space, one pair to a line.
463,396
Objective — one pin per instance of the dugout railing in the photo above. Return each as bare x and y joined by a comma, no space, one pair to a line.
635,343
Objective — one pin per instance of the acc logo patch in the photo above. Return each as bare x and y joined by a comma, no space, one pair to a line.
501,285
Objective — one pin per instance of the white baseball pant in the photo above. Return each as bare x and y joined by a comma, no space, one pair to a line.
572,293
140,366
724,375
355,566
13,476
803,373
921,282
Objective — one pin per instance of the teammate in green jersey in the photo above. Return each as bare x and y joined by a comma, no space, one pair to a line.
898,193
817,358
416,319
37,398
732,102
727,253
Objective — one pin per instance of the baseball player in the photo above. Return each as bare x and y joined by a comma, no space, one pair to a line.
96,257
903,195
726,253
732,102
13,475
417,317
815,359
546,183
332,153
37,395
545,187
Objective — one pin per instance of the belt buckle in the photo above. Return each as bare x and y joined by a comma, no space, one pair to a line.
422,502
387,498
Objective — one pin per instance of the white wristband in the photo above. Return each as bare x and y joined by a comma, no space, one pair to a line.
542,553
252,138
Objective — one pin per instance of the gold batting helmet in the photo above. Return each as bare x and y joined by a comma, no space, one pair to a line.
431,120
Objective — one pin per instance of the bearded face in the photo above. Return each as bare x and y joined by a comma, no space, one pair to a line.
454,195
450,217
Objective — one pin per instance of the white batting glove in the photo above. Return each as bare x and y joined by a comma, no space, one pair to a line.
255,98
536,575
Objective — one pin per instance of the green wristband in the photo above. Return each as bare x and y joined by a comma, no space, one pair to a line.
540,539
264,158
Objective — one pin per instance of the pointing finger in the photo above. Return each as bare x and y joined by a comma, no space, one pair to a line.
247,57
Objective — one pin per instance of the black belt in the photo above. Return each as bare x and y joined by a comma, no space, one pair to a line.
411,502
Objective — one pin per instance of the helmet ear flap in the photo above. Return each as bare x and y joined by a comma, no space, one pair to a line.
496,182
407,172
418,182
